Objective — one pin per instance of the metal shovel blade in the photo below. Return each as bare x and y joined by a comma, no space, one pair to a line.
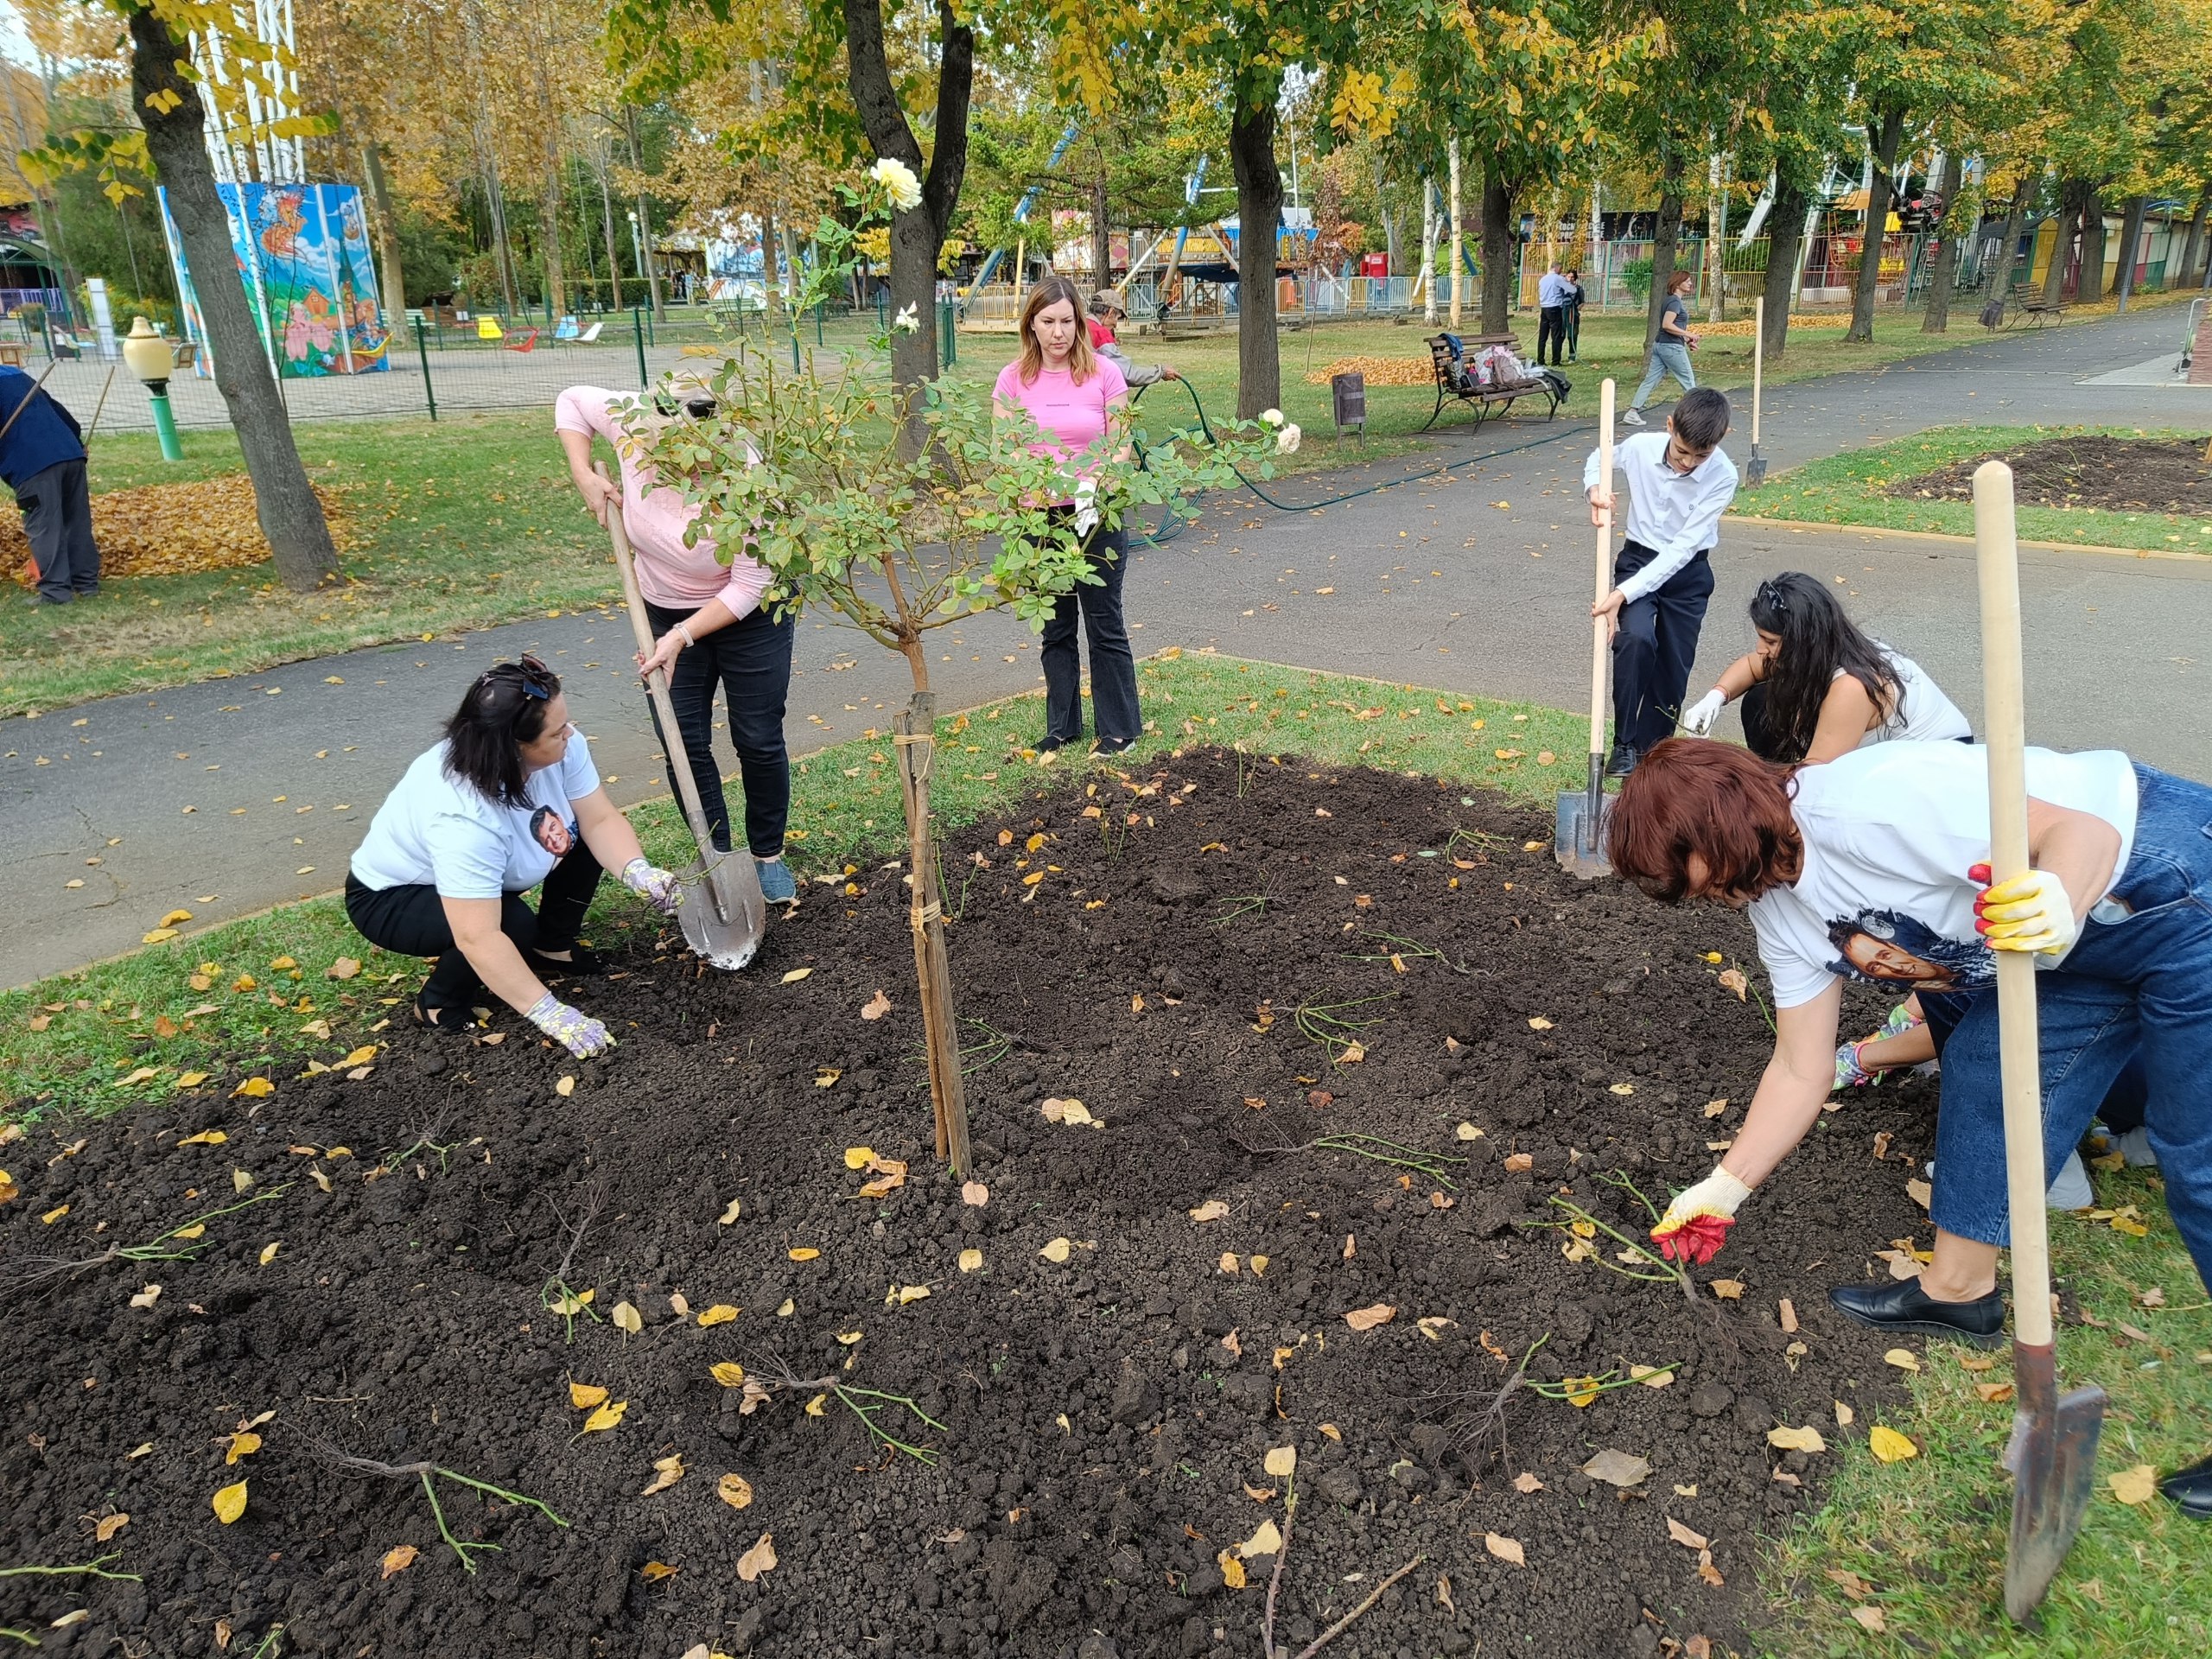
2053,1458
723,914
1579,832
1755,468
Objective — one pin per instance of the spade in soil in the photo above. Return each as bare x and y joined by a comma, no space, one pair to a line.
1578,837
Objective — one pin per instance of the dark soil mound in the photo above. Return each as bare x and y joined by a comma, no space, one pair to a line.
1103,1418
2115,474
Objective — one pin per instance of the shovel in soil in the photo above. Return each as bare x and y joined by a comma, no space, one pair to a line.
2054,1449
1755,468
1578,837
723,914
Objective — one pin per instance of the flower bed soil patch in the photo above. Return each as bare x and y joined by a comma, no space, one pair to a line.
2114,474
1105,1418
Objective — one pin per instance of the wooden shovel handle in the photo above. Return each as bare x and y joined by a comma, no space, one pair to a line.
1597,639
2003,713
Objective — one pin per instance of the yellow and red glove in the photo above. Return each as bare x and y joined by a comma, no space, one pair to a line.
1696,1224
2032,912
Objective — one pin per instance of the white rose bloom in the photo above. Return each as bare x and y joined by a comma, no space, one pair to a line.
1271,417
1286,441
905,323
898,183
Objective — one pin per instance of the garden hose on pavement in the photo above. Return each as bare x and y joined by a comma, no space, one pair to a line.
1182,512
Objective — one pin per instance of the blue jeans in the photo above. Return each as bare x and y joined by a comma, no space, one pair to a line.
2138,982
1667,357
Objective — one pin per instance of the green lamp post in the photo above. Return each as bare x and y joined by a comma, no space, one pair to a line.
153,359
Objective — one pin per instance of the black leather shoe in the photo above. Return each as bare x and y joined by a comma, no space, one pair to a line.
2192,1487
580,963
1621,762
1901,1305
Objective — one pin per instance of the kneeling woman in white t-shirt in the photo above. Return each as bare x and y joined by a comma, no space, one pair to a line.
1817,687
508,800
1874,866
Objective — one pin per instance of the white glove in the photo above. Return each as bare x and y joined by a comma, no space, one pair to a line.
658,887
2029,913
1698,718
1086,507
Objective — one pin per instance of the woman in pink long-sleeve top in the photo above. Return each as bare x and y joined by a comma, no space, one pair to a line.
709,625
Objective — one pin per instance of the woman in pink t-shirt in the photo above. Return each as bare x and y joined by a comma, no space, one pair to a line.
709,623
1075,395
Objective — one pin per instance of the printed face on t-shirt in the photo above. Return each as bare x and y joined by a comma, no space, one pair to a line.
1885,948
547,829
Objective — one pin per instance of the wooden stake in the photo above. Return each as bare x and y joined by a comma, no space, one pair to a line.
914,735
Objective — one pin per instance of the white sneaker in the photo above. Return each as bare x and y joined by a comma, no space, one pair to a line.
2071,1190
2135,1147
1632,417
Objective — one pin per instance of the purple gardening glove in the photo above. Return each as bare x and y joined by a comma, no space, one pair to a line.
658,887
576,1031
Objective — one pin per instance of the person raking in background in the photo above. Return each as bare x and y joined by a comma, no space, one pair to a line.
1108,314
1874,866
1815,686
1678,484
42,458
1670,347
467,832
709,623
1075,397
1551,326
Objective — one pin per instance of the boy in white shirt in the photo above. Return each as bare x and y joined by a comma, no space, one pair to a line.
1680,483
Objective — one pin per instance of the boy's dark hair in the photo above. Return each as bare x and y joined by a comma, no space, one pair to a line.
1701,418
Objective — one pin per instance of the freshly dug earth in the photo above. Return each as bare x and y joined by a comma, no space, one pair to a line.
1105,1418
2116,474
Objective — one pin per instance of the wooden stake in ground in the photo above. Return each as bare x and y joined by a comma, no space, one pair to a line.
914,734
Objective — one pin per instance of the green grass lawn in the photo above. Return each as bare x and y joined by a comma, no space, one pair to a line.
1927,1535
1855,488
470,520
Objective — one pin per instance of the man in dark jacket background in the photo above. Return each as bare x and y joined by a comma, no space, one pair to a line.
42,458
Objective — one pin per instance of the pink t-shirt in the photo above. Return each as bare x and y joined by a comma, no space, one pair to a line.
670,574
1071,416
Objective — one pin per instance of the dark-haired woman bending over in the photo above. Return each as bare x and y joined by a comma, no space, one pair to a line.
1816,686
508,799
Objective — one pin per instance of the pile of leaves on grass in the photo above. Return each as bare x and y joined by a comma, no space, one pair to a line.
171,530
1316,1117
2110,474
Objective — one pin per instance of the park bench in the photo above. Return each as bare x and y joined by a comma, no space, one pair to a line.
1454,380
2019,314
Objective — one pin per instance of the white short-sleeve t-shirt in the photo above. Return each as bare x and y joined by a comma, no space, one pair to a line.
1890,832
1924,714
434,830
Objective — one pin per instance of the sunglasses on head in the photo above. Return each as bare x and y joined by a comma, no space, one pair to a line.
698,404
531,678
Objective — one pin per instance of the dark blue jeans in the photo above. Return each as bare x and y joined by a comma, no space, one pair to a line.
1113,665
751,660
2138,981
1656,644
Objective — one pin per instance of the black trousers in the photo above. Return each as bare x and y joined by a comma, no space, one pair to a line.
1573,331
411,920
751,660
1551,329
58,523
1656,644
1113,664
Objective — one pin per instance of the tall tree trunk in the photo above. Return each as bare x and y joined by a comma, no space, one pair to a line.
1943,259
1428,284
2191,271
389,273
1454,263
556,275
1786,230
1666,237
2131,236
606,222
1101,235
917,234
1389,218
1999,275
771,276
1500,236
649,270
1887,136
2064,223
291,518
1716,236
1259,213
2089,286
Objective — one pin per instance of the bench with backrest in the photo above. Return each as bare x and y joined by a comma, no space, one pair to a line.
1455,379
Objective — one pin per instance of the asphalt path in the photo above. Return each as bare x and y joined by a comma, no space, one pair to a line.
228,796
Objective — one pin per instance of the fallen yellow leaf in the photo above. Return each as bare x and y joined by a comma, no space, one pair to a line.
1366,1319
792,977
1232,1569
666,1473
399,1557
2136,1486
735,1490
230,1502
606,1417
209,1137
1807,1438
1281,1461
1266,1542
1506,1549
761,1558
971,1260
720,1314
584,1396
1890,1446
804,1253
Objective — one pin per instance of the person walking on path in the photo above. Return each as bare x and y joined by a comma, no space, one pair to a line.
709,627
1074,397
42,458
509,799
1670,351
1874,868
1816,687
1572,303
1551,326
1678,484
1107,314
